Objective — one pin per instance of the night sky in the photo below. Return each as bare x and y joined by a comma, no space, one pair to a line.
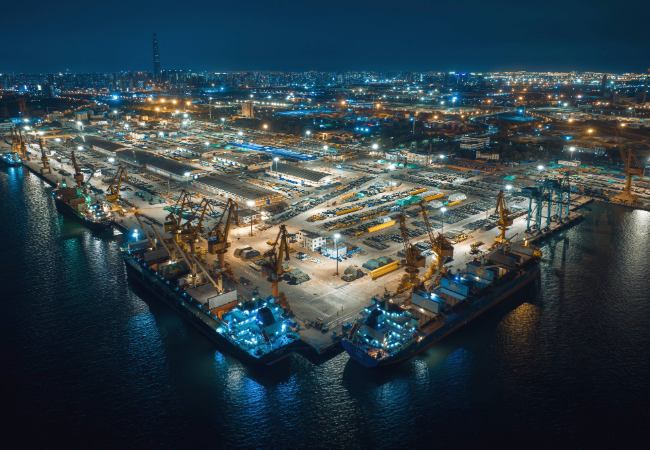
292,35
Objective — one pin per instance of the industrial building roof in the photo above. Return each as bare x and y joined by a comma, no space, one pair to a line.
138,157
236,187
299,172
104,144
172,166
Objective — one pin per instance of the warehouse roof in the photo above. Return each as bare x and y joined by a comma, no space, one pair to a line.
138,157
236,187
299,172
104,144
172,166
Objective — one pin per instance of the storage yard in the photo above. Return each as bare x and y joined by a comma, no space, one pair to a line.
333,205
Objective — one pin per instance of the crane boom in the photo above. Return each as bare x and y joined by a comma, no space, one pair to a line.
274,268
113,191
504,217
44,160
78,176
144,230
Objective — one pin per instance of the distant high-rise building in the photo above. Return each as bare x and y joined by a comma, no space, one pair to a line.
156,58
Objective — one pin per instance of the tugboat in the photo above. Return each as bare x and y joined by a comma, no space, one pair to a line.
75,202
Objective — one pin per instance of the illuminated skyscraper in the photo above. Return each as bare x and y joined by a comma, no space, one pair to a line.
156,58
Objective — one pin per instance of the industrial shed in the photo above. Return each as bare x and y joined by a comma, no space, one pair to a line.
238,191
174,170
300,175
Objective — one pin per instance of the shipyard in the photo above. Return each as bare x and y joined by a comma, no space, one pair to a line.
345,226
348,212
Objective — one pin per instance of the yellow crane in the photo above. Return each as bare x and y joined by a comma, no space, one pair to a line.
190,231
218,237
504,218
44,160
626,196
278,253
414,260
174,218
23,147
113,191
78,176
440,246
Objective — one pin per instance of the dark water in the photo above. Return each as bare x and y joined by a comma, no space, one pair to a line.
87,362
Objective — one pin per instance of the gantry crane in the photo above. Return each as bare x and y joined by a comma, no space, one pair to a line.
504,218
414,260
78,176
15,143
626,196
113,191
174,218
278,253
189,232
195,265
46,164
23,147
440,246
218,237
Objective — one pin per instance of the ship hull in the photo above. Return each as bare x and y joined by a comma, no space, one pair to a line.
11,163
67,211
170,297
452,324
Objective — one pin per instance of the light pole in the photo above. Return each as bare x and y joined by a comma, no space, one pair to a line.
571,150
265,127
276,164
336,247
508,187
223,120
443,209
308,133
250,204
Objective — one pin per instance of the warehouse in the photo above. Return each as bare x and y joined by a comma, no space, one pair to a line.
243,161
236,190
174,170
135,157
298,175
104,146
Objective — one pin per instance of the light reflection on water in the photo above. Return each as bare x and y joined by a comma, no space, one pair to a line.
93,359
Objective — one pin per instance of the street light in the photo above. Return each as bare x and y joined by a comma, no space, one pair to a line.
443,210
325,147
571,149
111,160
80,147
308,133
276,164
250,204
540,167
336,248
265,127
375,146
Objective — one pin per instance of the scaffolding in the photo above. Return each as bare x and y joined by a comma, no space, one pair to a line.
552,201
